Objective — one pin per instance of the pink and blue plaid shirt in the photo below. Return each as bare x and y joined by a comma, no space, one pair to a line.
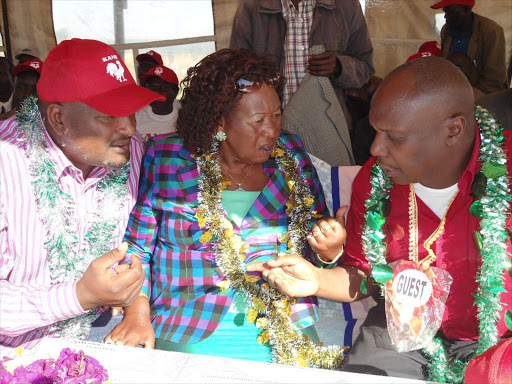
296,44
187,306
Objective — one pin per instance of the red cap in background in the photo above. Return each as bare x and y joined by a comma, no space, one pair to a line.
418,55
151,55
431,46
31,65
446,3
164,73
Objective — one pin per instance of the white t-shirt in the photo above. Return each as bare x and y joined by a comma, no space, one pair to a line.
436,199
150,124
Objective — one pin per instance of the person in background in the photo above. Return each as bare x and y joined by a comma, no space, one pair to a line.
26,76
160,116
500,105
362,133
482,39
69,172
462,61
26,54
359,104
286,30
146,61
6,85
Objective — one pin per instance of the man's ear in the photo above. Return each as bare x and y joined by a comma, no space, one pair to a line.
456,128
54,117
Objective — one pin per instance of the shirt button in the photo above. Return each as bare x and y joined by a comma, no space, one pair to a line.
302,48
443,265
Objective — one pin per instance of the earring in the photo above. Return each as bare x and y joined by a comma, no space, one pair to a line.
220,136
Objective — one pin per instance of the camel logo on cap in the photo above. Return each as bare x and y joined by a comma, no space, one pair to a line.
35,65
116,70
159,71
150,53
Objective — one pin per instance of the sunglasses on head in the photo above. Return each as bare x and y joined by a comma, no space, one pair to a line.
250,81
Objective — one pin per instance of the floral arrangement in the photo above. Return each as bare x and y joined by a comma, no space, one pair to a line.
70,368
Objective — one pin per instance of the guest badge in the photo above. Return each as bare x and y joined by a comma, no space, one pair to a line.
415,301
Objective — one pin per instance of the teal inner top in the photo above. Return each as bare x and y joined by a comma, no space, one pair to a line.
238,203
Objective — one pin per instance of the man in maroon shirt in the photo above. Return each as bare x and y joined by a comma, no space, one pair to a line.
427,141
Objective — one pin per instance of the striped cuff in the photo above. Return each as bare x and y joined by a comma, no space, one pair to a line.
61,302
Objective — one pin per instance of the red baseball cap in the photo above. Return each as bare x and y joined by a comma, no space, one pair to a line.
164,73
151,55
418,55
93,73
446,3
31,65
432,47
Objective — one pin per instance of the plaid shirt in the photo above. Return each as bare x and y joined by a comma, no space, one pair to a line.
296,44
181,277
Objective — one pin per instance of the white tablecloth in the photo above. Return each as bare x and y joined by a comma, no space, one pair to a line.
138,365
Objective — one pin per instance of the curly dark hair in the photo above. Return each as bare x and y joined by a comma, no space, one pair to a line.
210,92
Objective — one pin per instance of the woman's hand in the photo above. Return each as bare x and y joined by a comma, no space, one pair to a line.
136,328
291,274
328,235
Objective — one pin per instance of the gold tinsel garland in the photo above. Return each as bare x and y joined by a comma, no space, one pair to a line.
269,309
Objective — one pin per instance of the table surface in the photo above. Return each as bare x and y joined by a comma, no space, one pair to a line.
138,365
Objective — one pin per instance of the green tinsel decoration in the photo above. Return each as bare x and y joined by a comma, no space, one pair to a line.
67,259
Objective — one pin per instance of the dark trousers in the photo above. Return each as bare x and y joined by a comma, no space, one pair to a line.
373,353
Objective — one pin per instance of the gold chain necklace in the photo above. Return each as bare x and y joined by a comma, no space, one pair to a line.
413,230
236,182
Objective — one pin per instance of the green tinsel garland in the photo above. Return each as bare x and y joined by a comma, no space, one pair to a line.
492,188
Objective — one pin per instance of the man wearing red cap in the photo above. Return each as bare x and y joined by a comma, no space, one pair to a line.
26,76
69,170
146,61
480,38
160,116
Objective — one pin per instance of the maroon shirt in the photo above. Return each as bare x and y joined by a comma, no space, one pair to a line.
455,249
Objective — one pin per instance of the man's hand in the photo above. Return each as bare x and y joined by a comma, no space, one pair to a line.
136,328
100,286
291,274
328,235
324,64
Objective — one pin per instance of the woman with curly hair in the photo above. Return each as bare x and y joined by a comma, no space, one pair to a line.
228,188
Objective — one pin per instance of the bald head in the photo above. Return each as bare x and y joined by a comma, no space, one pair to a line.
423,115
432,80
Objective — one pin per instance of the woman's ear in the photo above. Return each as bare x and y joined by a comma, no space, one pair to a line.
222,125
54,117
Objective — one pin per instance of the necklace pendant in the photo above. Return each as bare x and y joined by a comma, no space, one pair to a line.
240,188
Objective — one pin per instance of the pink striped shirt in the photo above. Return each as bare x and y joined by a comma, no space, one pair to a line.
29,303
